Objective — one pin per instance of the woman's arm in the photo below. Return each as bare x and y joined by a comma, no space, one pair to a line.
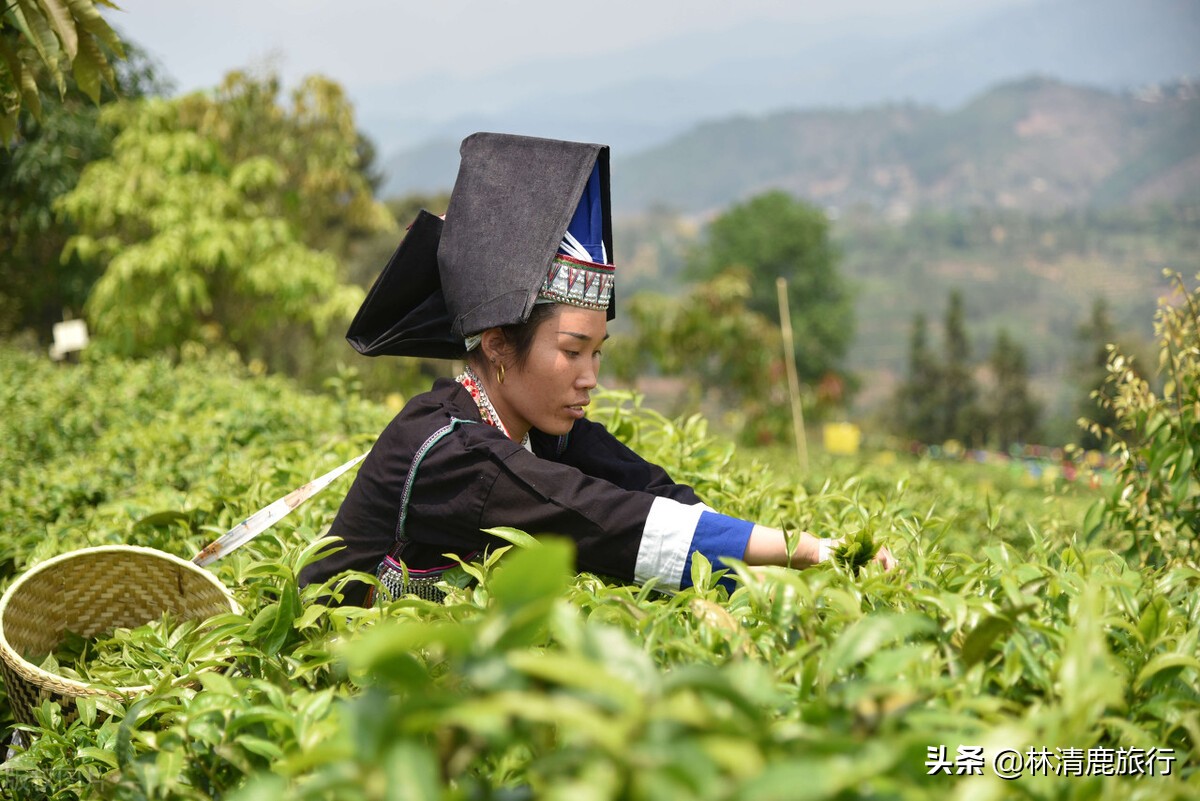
592,449
768,546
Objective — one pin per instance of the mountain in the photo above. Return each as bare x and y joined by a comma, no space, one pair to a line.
647,95
1038,144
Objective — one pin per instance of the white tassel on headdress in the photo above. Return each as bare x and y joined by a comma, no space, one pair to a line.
575,249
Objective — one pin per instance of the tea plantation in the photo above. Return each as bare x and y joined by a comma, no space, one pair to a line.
1019,652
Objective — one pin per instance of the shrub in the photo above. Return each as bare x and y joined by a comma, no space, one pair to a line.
1156,439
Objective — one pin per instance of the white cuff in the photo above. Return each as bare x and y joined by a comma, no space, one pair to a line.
825,548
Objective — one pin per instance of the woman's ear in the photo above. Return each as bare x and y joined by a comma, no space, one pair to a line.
494,345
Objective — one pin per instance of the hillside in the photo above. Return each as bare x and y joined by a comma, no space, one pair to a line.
1038,145
1036,278
762,61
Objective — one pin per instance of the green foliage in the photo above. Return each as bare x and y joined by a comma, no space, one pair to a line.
207,216
146,453
916,409
775,236
1034,275
1156,438
325,189
51,37
132,657
1009,626
958,415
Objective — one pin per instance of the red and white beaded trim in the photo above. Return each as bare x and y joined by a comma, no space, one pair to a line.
487,411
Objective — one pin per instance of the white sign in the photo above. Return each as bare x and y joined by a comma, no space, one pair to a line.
69,336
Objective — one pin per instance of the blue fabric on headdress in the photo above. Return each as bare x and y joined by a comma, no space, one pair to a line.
587,225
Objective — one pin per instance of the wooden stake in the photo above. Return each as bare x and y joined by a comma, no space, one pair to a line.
789,351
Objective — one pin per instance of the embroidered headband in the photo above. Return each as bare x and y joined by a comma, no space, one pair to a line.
578,283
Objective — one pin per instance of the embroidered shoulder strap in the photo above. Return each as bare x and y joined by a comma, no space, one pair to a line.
434,439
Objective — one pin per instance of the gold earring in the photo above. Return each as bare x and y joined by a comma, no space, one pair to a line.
500,373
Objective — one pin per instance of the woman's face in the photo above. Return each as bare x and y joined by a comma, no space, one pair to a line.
550,391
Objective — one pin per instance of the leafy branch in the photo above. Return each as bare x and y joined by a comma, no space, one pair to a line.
52,36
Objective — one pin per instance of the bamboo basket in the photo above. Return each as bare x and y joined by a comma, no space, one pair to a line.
90,591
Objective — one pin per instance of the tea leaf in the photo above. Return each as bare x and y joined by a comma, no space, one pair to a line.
870,634
515,536
1162,663
856,552
1153,621
980,640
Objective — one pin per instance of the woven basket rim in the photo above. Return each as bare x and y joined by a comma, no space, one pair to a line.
45,678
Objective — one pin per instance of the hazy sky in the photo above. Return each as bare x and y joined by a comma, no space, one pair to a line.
636,72
369,43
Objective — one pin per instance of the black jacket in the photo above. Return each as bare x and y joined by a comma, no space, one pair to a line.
587,486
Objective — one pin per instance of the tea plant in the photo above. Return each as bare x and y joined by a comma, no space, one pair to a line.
1156,439
1010,625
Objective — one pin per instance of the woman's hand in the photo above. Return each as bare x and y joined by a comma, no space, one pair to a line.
884,557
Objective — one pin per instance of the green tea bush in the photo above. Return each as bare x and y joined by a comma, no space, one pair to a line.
146,453
1156,439
1005,628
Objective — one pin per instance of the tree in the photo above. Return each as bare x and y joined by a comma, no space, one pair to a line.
774,235
326,173
43,163
207,216
918,398
727,352
1012,413
39,41
959,415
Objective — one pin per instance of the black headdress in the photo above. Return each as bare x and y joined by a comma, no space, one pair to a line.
529,219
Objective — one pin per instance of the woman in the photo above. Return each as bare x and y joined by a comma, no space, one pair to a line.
518,283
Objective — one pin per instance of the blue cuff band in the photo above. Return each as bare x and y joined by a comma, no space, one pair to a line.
717,536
